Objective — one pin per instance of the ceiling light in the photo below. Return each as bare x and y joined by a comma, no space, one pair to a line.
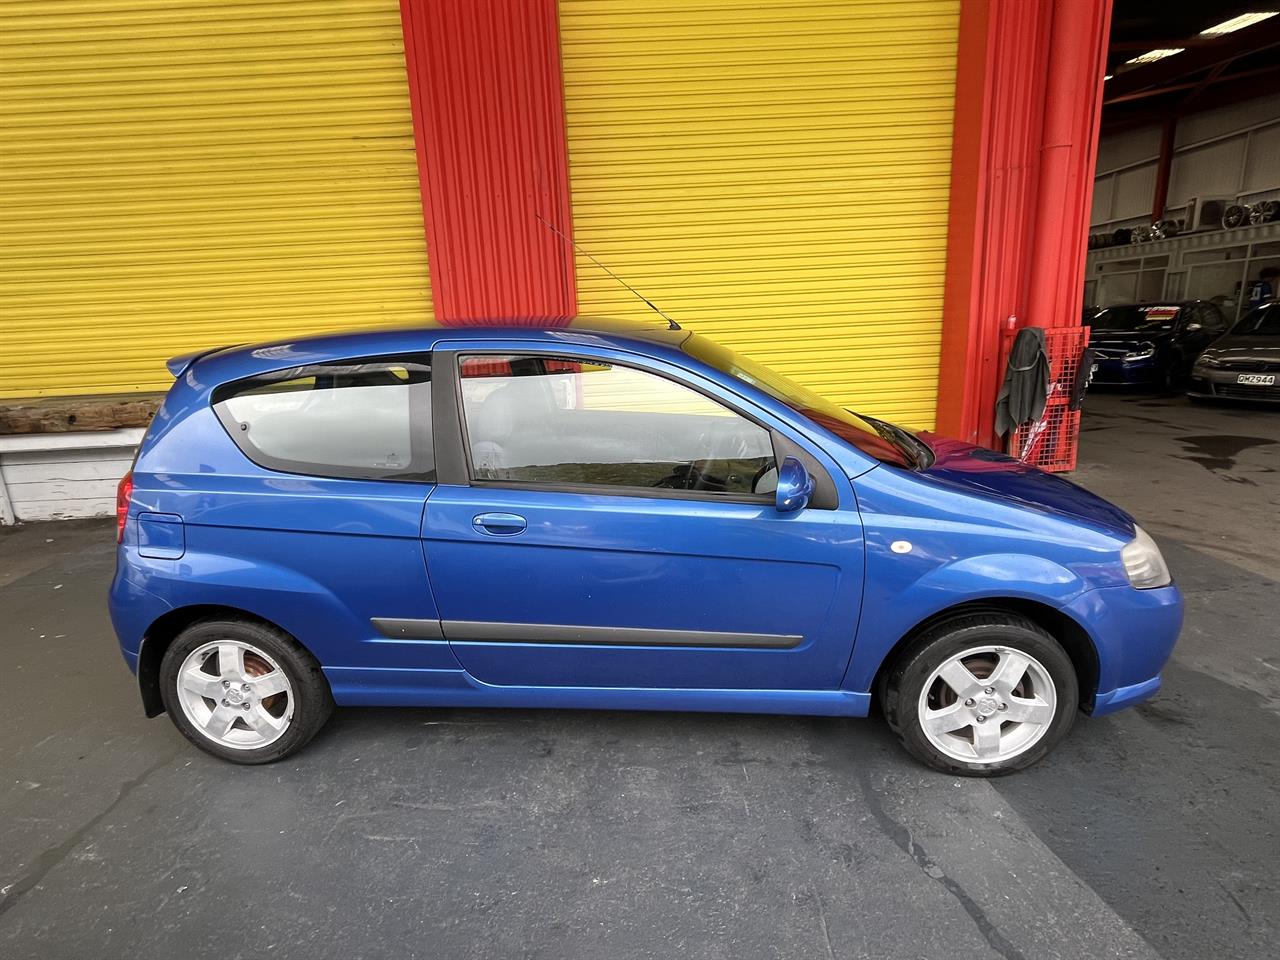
1238,23
1151,56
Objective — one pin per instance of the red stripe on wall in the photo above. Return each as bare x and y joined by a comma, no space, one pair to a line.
488,112
998,117
1068,156
1028,82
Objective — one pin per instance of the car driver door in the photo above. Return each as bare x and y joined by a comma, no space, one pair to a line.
605,520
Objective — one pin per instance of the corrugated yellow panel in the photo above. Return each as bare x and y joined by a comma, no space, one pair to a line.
774,175
181,174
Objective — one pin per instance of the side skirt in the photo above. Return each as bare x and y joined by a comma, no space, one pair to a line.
379,687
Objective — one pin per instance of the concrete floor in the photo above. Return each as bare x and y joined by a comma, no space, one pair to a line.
446,833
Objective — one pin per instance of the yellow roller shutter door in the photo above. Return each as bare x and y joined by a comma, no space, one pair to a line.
179,174
773,174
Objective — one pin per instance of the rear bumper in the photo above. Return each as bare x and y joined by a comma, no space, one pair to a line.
1134,632
132,609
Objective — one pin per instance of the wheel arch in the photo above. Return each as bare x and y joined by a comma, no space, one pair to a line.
166,628
1073,637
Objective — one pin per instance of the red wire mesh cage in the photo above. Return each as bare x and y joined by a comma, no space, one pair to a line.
1050,442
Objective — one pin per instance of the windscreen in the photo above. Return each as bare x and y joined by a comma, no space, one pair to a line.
846,425
1261,321
1135,319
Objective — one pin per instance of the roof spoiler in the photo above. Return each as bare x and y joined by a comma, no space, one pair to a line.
178,365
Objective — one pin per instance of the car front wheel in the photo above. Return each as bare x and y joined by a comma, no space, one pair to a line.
243,691
982,695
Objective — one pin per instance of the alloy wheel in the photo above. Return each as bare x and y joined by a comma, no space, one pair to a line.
987,704
235,695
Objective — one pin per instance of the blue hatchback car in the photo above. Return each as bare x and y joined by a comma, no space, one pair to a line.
607,516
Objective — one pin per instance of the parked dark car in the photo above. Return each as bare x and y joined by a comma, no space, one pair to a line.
1244,364
1152,344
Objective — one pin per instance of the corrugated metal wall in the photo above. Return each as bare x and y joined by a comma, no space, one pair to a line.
1231,152
177,174
774,175
485,85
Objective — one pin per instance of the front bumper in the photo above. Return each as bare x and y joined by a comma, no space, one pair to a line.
1123,697
1112,371
1134,632
1225,385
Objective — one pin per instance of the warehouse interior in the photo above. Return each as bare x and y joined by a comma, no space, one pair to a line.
1187,179
841,191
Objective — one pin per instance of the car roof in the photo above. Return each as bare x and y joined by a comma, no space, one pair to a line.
1148,304
228,363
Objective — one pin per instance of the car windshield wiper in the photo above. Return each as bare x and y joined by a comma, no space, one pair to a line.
912,447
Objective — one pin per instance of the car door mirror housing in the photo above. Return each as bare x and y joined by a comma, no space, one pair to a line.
795,486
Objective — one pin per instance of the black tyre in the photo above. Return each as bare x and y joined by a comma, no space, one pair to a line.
243,691
1235,215
981,695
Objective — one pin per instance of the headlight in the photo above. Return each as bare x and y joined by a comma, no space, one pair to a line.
1143,563
1206,362
1145,351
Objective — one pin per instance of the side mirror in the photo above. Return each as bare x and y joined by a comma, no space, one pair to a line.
795,486
1194,327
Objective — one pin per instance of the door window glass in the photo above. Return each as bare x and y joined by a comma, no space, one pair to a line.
363,419
566,421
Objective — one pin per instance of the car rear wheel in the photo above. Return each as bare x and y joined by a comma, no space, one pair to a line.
243,691
982,695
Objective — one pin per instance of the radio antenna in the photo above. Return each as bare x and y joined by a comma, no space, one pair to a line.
671,324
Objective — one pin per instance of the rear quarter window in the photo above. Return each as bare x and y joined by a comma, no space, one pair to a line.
364,419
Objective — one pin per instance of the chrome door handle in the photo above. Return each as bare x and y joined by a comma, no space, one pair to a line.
499,524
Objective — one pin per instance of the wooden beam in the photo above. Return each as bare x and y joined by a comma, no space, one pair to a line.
77,414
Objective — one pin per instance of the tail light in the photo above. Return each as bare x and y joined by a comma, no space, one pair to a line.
124,492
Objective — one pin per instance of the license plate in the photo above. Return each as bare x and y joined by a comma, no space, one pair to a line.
1257,379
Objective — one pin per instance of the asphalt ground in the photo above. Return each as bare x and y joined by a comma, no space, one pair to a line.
455,833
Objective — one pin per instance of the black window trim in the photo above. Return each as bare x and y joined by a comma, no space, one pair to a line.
453,444
421,428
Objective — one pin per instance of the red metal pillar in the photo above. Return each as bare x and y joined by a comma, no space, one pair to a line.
1068,158
487,96
1021,184
1168,134
999,98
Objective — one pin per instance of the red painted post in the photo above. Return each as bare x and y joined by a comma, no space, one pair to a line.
487,97
1168,134
1073,105
1028,93
999,99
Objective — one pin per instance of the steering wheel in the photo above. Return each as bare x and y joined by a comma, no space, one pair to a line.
728,447
770,465
691,477
721,449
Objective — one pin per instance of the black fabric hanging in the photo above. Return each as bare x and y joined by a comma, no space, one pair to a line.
1084,376
1026,381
